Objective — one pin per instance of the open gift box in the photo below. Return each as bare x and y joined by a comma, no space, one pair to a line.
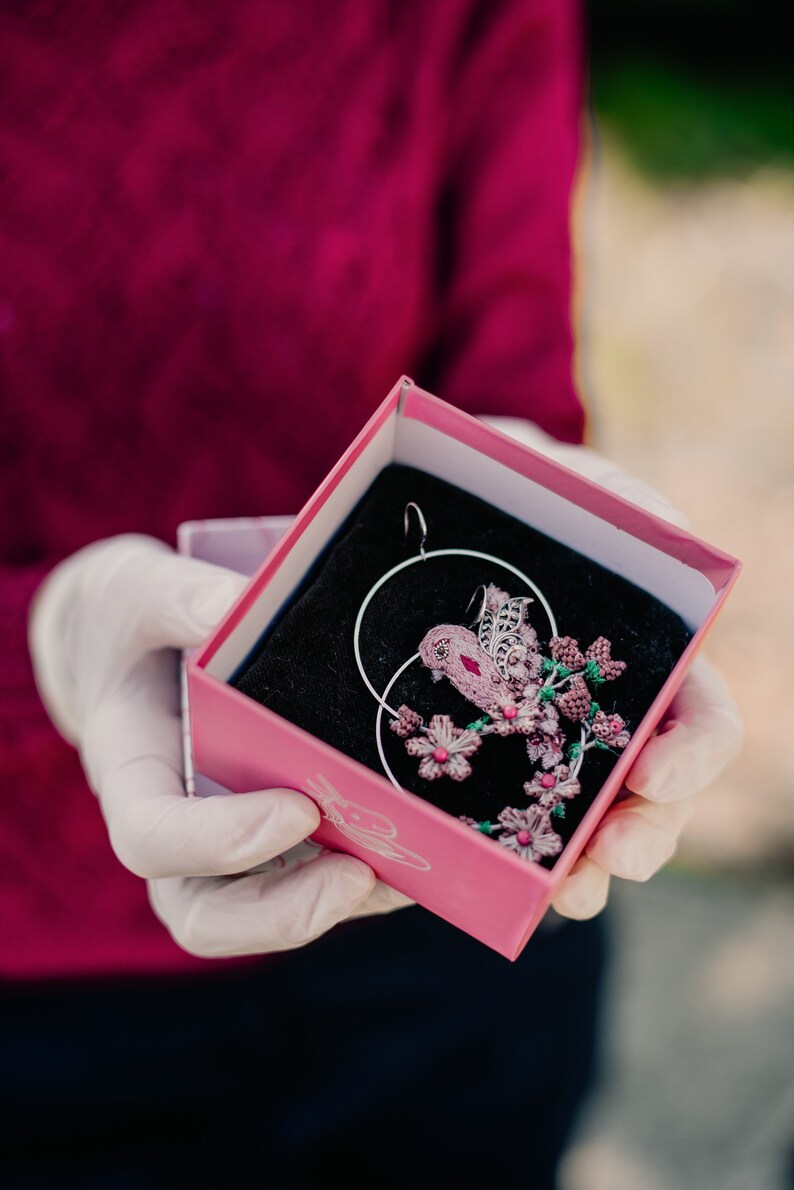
420,848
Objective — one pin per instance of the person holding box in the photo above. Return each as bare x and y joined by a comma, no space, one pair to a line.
207,217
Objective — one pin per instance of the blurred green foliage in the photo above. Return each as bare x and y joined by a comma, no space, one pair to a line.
678,123
694,88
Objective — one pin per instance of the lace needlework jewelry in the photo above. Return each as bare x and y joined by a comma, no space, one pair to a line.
502,670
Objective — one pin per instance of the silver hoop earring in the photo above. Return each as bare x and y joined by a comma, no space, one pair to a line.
504,673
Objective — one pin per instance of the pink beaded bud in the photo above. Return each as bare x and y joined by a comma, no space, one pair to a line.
566,651
575,702
600,651
407,724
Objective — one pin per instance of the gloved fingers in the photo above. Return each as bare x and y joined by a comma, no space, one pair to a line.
584,891
156,831
104,607
637,837
132,751
701,732
280,909
174,602
382,899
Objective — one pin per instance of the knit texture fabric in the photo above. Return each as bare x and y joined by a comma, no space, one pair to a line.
225,231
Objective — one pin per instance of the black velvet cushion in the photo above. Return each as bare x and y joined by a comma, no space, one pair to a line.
304,667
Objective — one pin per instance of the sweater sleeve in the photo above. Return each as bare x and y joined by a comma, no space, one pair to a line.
503,342
23,719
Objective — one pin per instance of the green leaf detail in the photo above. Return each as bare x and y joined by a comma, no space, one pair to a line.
574,751
484,827
479,724
594,709
558,811
548,666
592,674
563,671
546,694
601,744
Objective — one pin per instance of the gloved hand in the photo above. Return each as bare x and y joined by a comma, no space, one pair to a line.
103,628
699,733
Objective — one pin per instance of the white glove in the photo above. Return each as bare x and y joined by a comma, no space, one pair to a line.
700,732
103,630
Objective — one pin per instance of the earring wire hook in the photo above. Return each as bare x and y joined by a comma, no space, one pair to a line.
481,612
422,525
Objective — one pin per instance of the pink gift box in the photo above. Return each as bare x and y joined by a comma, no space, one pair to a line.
429,855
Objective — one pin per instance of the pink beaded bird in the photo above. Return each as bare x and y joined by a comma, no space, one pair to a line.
492,665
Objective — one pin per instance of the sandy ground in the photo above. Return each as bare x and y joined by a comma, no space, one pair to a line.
688,357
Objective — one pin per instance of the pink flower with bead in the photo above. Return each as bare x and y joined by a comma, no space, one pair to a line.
610,729
444,749
551,788
514,715
548,715
529,833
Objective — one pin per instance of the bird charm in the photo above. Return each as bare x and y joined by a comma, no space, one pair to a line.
452,651
493,664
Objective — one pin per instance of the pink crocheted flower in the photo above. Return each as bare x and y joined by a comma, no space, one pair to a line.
546,750
600,651
495,597
444,749
551,788
523,663
407,723
525,659
514,715
529,833
611,729
549,721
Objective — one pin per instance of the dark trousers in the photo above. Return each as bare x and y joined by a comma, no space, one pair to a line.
392,1051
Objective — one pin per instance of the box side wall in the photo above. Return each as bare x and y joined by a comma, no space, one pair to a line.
491,443
238,543
622,537
681,583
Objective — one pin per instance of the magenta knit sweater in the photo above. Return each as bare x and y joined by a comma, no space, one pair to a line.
216,222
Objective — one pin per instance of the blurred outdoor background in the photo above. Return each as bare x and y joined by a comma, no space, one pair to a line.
686,229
